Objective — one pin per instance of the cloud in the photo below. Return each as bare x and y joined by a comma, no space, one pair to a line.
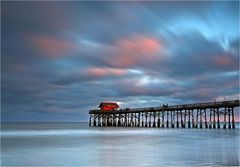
134,51
90,74
126,52
225,61
101,72
59,59
194,50
52,47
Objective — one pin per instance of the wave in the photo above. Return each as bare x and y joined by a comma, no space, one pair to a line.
19,133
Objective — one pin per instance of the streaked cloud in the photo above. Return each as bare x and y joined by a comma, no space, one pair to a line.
52,47
60,59
136,50
98,72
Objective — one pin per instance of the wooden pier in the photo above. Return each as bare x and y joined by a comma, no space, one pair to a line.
199,115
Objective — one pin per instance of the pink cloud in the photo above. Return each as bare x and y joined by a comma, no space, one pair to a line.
52,47
224,60
204,92
101,72
135,50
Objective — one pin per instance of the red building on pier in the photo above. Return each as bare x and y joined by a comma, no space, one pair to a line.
108,106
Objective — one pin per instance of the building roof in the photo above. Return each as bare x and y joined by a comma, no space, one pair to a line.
108,104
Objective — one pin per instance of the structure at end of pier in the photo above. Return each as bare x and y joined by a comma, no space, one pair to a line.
198,115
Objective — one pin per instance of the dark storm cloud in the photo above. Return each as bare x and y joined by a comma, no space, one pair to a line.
59,59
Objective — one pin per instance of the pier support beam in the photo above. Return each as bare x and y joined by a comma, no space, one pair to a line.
146,115
185,118
167,119
90,120
162,119
210,121
233,121
214,118
108,120
172,118
103,120
189,123
139,118
94,120
205,116
128,119
200,118
218,120
225,115
196,126
125,120
192,114
158,119
149,123
119,120
131,120
114,119
229,118
99,120
154,119
136,119
181,113
177,120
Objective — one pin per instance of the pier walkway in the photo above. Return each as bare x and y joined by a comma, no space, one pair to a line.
198,115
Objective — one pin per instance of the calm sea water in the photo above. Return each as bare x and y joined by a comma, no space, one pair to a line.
76,144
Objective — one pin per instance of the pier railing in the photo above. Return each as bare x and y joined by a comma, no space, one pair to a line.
194,115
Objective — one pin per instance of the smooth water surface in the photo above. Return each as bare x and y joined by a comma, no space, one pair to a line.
76,144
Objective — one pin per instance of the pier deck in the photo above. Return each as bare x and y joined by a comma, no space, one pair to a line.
198,115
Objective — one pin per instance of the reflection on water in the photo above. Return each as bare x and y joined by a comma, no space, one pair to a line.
73,144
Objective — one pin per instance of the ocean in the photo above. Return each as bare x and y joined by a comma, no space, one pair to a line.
77,144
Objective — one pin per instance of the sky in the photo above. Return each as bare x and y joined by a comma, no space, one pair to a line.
60,59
